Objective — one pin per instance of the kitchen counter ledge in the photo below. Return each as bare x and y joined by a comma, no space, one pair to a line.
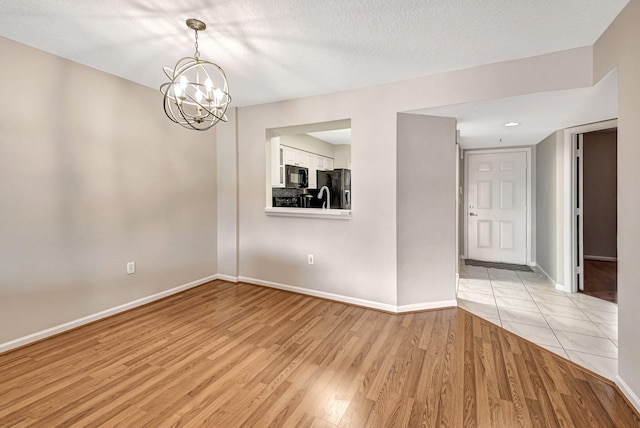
308,213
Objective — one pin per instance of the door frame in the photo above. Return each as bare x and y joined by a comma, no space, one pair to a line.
529,199
572,177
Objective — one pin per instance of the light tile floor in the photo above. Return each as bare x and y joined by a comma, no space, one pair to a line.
578,327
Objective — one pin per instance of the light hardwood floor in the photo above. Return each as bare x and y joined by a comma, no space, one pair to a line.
227,355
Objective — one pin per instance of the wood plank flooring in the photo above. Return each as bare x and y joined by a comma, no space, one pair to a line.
231,355
601,279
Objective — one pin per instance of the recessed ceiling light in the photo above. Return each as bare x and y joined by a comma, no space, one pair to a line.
509,124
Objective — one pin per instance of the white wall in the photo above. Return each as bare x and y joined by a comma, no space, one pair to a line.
426,210
618,47
93,175
358,258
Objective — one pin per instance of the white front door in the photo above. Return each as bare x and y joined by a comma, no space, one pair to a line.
497,207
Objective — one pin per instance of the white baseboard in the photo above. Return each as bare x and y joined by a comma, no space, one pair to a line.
414,307
227,278
628,392
43,334
557,285
542,271
351,300
323,294
601,258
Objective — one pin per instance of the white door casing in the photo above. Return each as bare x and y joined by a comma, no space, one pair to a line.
496,210
578,209
568,255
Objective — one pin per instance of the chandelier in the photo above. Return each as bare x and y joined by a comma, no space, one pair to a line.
196,95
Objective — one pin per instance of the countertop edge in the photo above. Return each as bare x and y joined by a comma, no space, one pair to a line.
308,213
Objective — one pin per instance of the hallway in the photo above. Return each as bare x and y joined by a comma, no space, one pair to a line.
578,327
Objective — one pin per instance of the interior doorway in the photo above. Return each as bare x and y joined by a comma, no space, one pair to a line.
596,161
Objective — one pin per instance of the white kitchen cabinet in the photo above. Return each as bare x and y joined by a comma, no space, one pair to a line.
328,164
284,155
295,157
323,163
277,163
312,162
289,155
301,158
320,163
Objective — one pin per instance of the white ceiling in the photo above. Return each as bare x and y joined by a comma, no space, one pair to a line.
334,136
481,124
281,49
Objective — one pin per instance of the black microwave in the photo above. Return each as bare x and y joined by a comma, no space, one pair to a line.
296,177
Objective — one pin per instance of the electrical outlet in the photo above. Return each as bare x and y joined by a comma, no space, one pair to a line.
310,259
131,268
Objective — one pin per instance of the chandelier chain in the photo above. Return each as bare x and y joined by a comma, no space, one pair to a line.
197,54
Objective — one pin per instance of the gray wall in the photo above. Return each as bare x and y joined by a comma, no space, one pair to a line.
227,196
600,194
547,237
426,210
356,260
618,47
84,190
93,175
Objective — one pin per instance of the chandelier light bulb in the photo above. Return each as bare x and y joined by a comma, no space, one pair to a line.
217,96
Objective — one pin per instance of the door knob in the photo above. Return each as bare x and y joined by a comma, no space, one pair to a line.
473,214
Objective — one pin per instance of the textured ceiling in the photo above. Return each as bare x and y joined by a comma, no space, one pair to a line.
281,49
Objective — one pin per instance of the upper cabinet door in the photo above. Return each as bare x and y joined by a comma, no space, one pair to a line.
277,163
328,164
301,158
289,156
295,157
312,161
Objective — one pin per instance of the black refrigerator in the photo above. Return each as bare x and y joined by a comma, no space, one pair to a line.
338,181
